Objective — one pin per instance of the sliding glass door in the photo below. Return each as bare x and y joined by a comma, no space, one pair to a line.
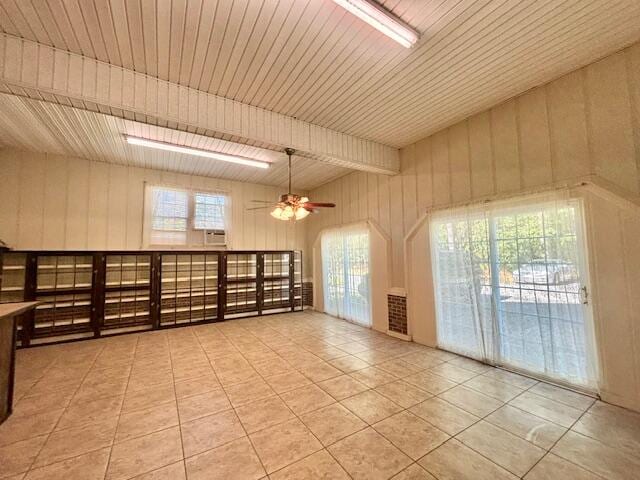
345,272
511,288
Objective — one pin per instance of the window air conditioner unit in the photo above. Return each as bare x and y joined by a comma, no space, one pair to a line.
215,238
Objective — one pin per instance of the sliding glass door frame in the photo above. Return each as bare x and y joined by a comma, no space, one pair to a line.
497,328
344,306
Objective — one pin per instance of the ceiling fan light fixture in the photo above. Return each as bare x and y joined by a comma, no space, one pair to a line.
292,206
277,213
301,213
288,212
381,20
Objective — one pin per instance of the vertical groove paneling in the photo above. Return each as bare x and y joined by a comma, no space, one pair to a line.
459,160
77,201
633,73
117,207
409,193
631,255
27,124
504,132
386,216
441,168
314,61
568,127
482,170
372,196
10,198
612,296
611,130
534,141
424,175
135,202
32,181
98,207
397,228
537,139
77,80
582,124
362,200
57,202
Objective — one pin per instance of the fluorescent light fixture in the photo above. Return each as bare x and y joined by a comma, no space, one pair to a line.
224,157
381,20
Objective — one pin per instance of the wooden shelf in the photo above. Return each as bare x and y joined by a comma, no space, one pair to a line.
86,293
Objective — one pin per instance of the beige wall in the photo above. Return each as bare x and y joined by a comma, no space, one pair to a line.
587,122
583,126
55,202
613,233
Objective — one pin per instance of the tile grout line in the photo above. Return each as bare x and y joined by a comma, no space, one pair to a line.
291,340
547,451
296,416
336,401
367,424
26,472
480,419
115,432
175,396
230,403
345,373
113,443
560,438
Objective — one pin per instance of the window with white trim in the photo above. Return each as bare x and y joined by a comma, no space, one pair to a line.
209,211
184,217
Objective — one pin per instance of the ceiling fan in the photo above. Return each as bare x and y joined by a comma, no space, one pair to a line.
292,206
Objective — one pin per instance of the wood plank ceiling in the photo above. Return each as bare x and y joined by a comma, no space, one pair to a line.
312,60
28,124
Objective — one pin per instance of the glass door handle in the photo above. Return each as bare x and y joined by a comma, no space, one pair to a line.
584,295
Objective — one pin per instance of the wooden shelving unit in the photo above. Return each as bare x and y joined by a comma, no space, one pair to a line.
298,303
12,276
91,294
13,269
126,293
240,283
277,280
189,288
64,285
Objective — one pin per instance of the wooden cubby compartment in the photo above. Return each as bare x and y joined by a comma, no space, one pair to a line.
91,294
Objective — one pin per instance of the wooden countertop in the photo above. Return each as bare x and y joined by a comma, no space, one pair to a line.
8,310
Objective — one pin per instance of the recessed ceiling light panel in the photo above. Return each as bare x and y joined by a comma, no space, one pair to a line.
382,20
223,157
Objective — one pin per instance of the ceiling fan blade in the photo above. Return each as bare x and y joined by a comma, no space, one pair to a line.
262,201
261,208
319,205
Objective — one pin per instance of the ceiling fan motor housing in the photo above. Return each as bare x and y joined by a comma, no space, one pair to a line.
290,198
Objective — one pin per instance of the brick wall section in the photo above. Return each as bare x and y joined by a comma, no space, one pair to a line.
397,313
307,294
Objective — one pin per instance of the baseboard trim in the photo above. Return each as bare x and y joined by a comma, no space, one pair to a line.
401,336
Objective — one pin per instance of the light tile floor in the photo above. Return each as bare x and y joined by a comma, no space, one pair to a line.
298,396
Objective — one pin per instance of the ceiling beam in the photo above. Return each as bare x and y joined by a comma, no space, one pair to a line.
38,71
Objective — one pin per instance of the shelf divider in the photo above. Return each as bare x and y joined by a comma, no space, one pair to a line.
97,293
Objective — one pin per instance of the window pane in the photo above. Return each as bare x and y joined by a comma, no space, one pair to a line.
170,210
209,211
